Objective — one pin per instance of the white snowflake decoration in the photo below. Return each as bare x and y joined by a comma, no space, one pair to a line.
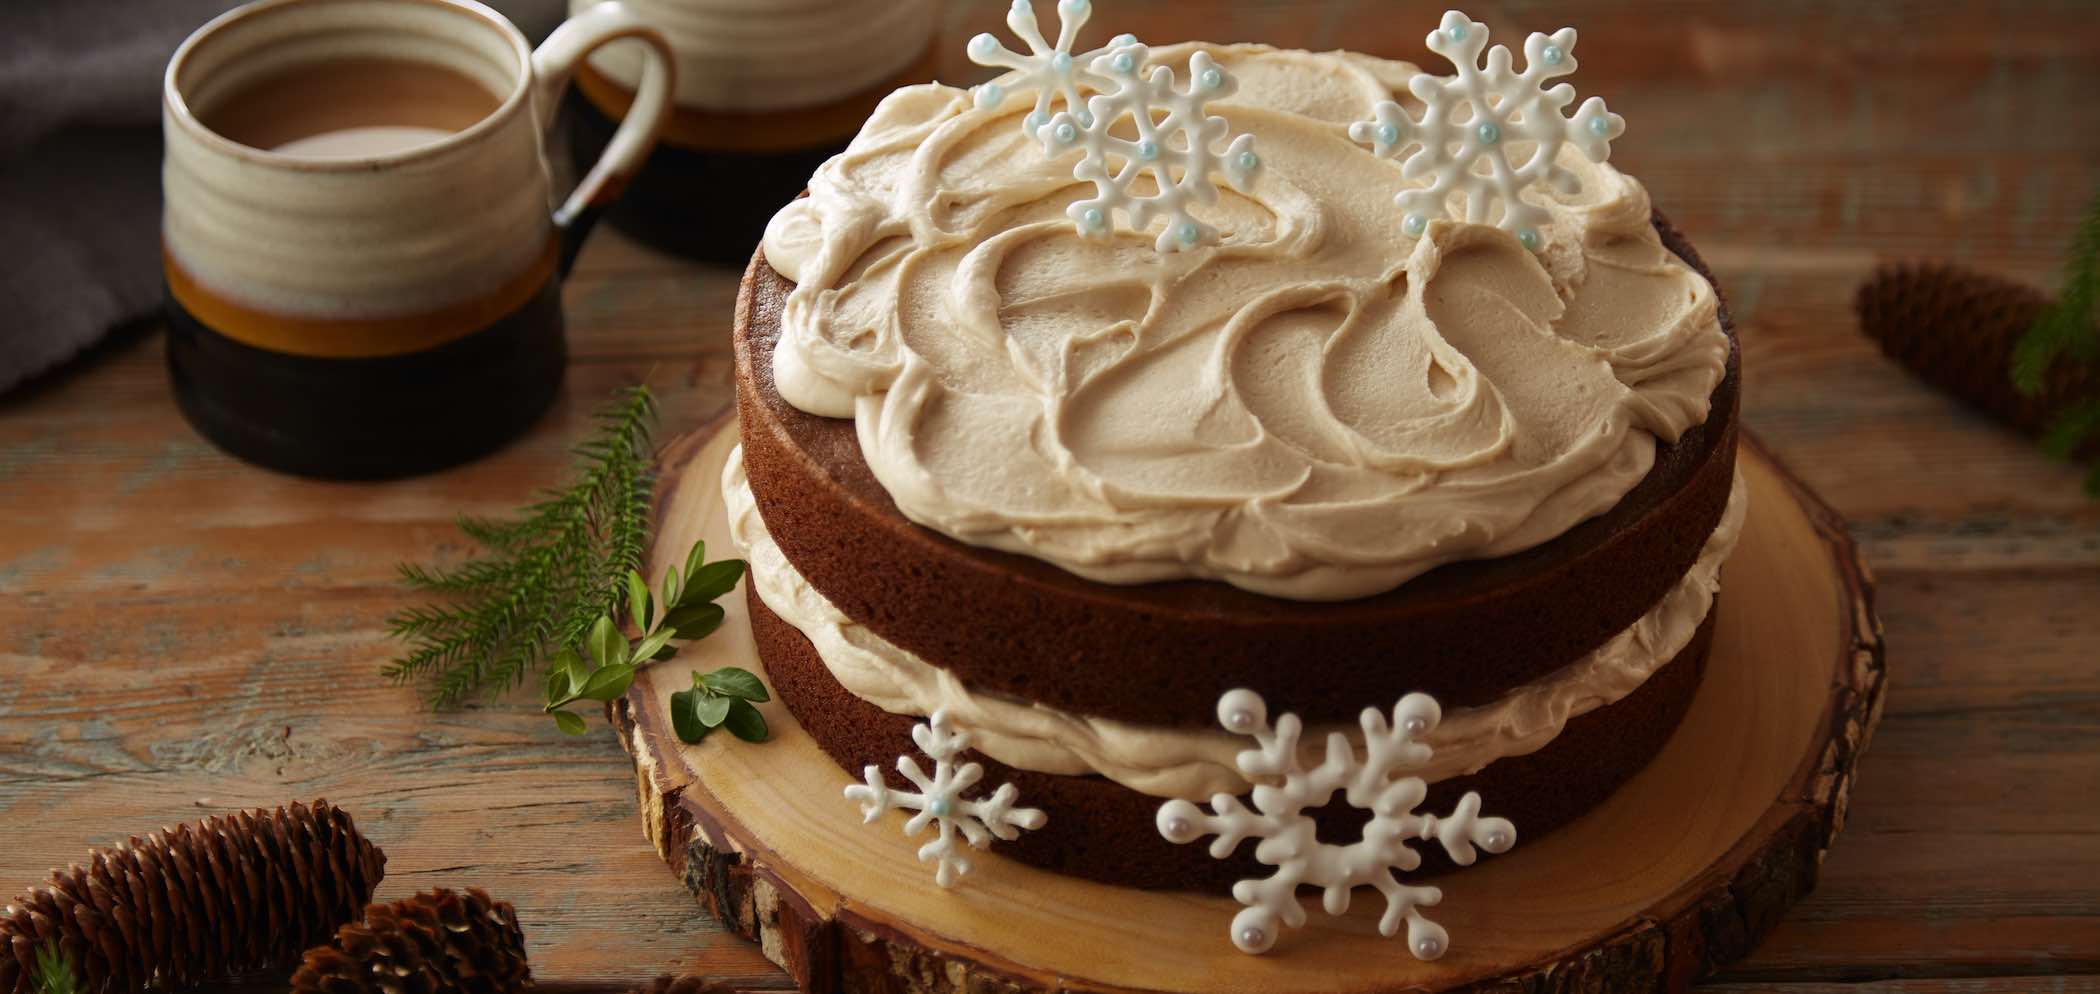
1285,794
1504,110
1177,141
1177,144
939,801
1052,71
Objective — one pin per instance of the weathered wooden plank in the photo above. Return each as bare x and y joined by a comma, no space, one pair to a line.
2086,984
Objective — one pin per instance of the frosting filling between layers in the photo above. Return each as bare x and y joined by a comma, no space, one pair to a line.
1319,408
1195,763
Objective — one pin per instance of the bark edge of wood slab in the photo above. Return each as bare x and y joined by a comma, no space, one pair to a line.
1682,872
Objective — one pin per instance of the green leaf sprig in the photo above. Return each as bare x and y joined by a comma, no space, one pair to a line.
54,972
720,698
541,581
683,609
2066,330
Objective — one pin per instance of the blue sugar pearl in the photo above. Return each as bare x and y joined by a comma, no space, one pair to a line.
1489,132
1529,238
1125,62
983,46
1062,62
1415,224
1086,119
1188,233
1072,7
1212,79
1067,134
1023,7
1249,161
990,95
1552,55
1600,126
1093,219
941,807
1388,134
1148,151
1122,40
1456,32
1036,120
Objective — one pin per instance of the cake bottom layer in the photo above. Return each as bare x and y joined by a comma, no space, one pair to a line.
1100,830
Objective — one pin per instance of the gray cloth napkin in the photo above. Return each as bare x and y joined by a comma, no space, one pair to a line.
80,165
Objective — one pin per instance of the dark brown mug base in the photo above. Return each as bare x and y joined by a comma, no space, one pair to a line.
370,419
701,204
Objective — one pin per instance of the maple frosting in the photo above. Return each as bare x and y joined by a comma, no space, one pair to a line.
1195,763
1317,408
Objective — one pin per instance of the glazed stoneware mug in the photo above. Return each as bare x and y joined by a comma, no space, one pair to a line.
767,90
362,243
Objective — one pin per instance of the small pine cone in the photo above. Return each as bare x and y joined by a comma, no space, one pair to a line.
1956,328
231,895
683,985
440,941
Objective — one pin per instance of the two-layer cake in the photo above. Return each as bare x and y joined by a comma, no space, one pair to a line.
1068,483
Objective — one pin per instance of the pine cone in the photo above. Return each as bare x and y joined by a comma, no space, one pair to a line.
440,941
1956,329
229,895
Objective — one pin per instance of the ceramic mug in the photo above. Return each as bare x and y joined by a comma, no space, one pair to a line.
767,90
363,264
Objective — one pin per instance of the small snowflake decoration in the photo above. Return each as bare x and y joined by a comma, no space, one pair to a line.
939,801
1470,154
1052,71
1177,143
1285,793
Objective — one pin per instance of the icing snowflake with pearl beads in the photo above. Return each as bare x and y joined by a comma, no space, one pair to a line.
939,801
1285,794
1504,111
1176,144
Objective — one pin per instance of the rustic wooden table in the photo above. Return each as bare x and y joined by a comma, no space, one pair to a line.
182,634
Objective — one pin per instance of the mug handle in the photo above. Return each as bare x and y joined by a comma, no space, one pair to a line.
554,63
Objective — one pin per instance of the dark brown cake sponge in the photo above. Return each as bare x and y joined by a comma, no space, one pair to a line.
1100,830
1161,653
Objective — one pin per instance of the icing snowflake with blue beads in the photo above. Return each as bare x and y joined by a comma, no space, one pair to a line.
1051,71
1177,143
939,801
1504,110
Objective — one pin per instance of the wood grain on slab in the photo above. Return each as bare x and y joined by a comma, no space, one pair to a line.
180,633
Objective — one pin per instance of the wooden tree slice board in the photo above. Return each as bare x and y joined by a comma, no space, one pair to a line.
1682,870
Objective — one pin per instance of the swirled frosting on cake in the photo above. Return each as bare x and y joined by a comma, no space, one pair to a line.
1319,407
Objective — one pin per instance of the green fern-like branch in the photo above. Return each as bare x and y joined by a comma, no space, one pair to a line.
2066,332
541,579
2065,329
54,973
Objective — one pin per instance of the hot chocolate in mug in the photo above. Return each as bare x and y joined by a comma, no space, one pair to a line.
361,241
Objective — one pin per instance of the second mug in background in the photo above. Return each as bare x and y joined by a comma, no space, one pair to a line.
767,90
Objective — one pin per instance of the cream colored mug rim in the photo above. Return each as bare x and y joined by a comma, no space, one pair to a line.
513,102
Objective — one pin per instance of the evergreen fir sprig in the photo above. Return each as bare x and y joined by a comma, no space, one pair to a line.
54,973
2066,332
543,579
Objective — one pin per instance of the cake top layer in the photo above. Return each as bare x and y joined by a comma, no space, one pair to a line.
1317,406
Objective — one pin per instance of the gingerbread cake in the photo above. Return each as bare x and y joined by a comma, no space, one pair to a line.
1079,458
